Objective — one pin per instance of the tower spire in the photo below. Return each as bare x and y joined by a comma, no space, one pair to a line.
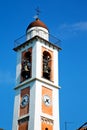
36,104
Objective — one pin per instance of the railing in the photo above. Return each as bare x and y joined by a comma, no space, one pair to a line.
23,39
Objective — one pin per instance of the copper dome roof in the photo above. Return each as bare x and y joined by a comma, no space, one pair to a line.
37,23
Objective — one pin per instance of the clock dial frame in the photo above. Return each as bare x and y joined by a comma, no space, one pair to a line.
47,100
24,100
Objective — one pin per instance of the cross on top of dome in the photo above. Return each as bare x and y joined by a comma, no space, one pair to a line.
37,12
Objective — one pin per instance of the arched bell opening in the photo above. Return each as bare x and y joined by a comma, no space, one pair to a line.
47,65
26,65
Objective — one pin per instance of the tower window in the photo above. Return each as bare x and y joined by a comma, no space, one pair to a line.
26,66
23,120
46,128
46,65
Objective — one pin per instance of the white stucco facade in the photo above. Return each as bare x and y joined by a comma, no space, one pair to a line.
37,31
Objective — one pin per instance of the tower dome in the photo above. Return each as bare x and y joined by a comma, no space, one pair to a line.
37,28
37,23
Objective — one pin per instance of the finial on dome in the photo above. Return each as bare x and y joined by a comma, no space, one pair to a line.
37,13
37,22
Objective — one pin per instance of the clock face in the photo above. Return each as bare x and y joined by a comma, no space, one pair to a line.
47,100
25,100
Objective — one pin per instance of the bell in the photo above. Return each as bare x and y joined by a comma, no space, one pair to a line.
25,74
45,69
26,68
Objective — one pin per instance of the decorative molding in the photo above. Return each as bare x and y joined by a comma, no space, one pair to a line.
24,116
47,120
43,80
22,120
20,45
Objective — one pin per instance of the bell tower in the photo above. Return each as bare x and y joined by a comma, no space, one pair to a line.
36,105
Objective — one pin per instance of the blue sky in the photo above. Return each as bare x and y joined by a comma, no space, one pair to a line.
67,20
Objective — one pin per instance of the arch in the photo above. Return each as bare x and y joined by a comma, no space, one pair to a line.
27,56
26,65
46,65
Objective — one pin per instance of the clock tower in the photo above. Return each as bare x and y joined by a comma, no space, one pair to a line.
36,105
